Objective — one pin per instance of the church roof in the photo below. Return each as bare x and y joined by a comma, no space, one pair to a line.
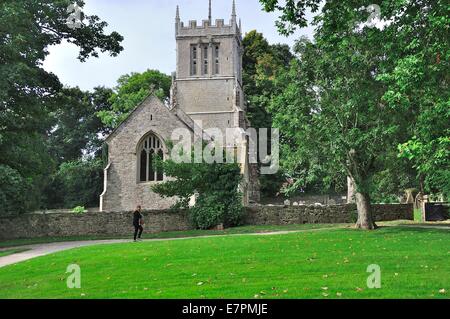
176,111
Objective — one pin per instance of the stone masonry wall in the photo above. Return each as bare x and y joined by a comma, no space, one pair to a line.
89,224
119,224
279,215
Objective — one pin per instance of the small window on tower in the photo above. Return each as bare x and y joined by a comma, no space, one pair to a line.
238,98
216,59
194,60
205,60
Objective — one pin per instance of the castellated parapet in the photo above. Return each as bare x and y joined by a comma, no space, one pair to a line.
205,28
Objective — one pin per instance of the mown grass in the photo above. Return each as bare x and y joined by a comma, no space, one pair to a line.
415,263
8,252
173,234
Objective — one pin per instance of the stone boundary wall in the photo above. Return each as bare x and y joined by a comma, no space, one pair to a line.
88,224
282,215
120,224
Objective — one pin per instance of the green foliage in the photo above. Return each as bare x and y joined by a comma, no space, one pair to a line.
331,111
293,13
392,179
76,128
400,72
79,210
295,113
29,94
265,78
76,145
215,185
27,154
432,161
419,82
271,185
76,183
211,209
132,90
14,191
208,211
262,62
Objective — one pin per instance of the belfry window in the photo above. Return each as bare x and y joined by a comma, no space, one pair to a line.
194,55
205,60
150,149
216,59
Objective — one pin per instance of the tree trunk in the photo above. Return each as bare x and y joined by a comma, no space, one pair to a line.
365,219
422,183
350,191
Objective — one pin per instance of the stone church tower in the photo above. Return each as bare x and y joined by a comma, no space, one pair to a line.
208,77
207,84
206,90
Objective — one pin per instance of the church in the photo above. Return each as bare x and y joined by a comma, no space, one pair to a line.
207,88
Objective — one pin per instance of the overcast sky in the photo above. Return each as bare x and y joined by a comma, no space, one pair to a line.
148,29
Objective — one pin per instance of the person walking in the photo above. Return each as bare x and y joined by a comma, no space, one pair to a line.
138,222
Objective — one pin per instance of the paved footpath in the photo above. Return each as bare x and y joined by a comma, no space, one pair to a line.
38,250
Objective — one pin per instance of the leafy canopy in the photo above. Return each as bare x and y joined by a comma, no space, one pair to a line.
28,93
132,89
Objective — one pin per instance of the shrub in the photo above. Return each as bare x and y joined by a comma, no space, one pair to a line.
235,210
79,210
217,186
212,209
208,212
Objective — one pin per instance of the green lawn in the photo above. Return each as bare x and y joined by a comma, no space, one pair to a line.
415,263
174,234
8,252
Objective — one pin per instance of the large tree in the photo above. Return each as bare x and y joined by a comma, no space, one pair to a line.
344,113
262,62
27,92
419,81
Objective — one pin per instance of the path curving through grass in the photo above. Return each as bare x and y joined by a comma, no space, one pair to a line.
324,264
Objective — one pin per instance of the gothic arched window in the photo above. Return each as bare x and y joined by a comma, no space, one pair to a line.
150,149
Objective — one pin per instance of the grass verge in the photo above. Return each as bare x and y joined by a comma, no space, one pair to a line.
415,263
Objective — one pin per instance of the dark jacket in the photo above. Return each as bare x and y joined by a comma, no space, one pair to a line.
137,216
